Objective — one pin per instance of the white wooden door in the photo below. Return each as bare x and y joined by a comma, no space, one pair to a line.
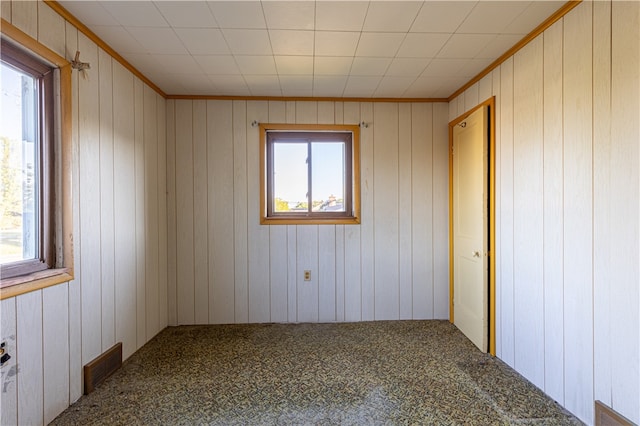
470,225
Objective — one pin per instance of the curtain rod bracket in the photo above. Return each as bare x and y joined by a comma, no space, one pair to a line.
80,66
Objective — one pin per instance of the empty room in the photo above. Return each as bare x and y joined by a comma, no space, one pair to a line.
320,212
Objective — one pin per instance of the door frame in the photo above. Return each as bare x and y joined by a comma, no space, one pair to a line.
490,104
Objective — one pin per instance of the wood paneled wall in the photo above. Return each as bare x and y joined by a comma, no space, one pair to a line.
224,267
119,209
567,224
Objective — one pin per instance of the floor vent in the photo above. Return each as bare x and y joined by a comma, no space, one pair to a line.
605,416
102,367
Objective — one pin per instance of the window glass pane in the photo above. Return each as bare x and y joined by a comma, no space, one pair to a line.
328,176
18,165
290,178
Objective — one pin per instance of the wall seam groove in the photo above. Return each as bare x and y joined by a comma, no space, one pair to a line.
411,182
513,244
206,154
398,222
113,195
564,342
41,292
233,218
433,252
544,306
100,198
193,209
593,209
246,207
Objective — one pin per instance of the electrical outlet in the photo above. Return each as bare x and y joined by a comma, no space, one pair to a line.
307,275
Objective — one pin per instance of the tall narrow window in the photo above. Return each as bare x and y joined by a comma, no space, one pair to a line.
26,164
311,174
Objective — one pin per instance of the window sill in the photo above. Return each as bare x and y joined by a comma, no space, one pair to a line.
309,221
16,286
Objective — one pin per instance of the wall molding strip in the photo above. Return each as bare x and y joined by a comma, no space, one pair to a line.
519,45
60,10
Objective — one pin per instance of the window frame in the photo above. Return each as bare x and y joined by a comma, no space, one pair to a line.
351,215
60,213
43,74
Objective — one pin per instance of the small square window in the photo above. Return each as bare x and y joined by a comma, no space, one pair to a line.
310,174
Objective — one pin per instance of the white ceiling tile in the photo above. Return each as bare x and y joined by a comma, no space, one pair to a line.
119,39
391,16
135,13
162,41
263,85
167,82
234,85
441,16
178,64
382,45
361,87
296,85
336,43
298,94
291,42
423,87
473,67
90,13
256,65
340,16
187,14
329,85
422,45
305,92
238,14
193,91
499,45
203,41
390,87
444,67
221,64
443,93
216,47
534,15
288,15
144,62
450,85
465,45
248,42
294,65
370,66
266,92
195,83
232,91
332,65
407,67
499,13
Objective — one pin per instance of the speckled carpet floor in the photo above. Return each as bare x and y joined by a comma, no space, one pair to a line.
375,373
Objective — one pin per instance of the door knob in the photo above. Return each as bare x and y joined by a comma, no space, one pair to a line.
476,254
